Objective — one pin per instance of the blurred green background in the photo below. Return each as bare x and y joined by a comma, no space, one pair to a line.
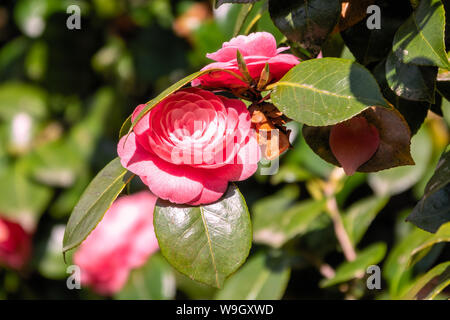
63,97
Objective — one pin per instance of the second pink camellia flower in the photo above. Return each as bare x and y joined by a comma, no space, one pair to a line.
122,241
190,145
257,49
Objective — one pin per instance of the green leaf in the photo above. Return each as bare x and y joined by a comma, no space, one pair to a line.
154,281
95,201
242,16
372,45
275,204
262,278
290,173
414,112
306,22
360,215
430,284
434,208
442,235
277,229
420,40
357,268
209,242
410,81
193,289
125,128
397,269
326,91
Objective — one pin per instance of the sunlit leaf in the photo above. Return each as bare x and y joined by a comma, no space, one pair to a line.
326,91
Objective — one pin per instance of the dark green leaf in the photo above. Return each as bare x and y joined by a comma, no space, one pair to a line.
326,91
208,242
95,201
372,45
414,112
263,277
434,208
410,81
306,22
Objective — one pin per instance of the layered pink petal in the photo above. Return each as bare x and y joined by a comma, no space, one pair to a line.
257,49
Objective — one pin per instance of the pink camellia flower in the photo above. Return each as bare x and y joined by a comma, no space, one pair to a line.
15,245
257,49
190,145
353,142
123,240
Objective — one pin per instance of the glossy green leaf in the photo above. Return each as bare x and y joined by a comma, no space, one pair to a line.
326,91
434,208
153,281
430,284
360,215
95,201
420,40
208,242
262,278
307,23
414,112
275,229
357,268
410,81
